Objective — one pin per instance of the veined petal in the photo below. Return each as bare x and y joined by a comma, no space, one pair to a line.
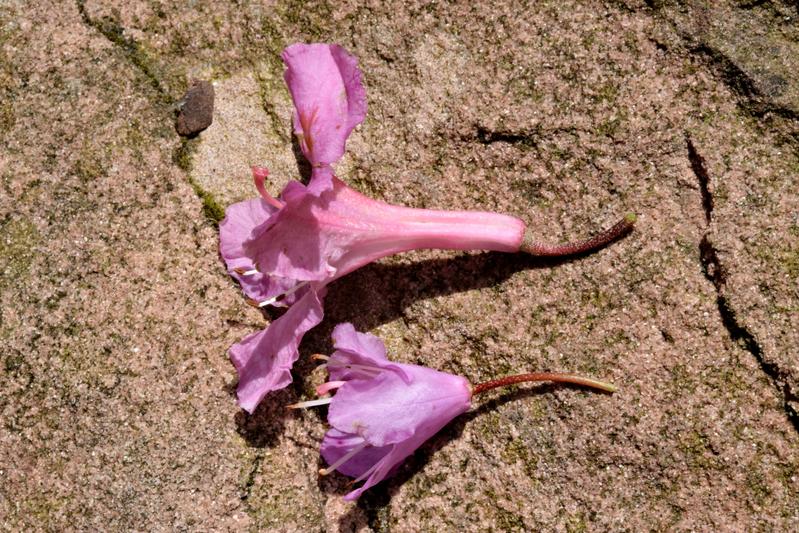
264,359
386,409
327,235
240,220
329,99
362,350
337,444
369,347
387,465
299,242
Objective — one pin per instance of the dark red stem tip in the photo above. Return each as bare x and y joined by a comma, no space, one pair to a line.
621,228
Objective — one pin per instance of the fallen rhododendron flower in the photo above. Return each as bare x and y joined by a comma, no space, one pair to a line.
287,255
383,411
285,251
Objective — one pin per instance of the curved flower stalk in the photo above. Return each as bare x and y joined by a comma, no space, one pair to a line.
285,251
383,411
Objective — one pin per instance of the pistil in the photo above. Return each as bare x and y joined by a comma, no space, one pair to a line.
324,388
349,455
259,174
310,403
280,296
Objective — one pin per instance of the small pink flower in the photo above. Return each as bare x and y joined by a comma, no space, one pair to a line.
285,251
383,411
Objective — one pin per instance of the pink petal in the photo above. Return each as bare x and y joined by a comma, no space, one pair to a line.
237,226
387,410
325,84
264,359
387,466
336,445
292,243
363,350
368,346
326,234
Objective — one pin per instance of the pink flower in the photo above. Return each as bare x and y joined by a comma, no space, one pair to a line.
285,251
383,411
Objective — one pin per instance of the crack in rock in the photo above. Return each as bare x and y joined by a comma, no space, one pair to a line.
249,483
115,34
716,273
700,171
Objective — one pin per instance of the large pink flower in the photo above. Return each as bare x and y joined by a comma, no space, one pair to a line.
285,251
383,411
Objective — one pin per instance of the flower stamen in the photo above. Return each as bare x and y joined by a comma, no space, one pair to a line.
241,271
324,388
278,297
349,455
364,475
354,366
310,403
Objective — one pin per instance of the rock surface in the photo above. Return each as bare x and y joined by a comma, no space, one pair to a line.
117,407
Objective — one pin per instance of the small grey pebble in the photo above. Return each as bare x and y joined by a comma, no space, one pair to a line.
196,108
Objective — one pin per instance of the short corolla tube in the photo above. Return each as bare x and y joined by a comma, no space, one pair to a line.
383,411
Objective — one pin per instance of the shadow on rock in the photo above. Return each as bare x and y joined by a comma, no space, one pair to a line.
375,501
263,428
373,295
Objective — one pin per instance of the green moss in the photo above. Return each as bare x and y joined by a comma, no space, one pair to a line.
7,118
682,381
313,18
509,521
136,53
88,167
517,450
790,263
576,523
18,240
43,507
182,157
696,448
183,154
758,488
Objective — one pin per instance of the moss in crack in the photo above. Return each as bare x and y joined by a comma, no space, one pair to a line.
182,157
134,51
312,18
211,208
